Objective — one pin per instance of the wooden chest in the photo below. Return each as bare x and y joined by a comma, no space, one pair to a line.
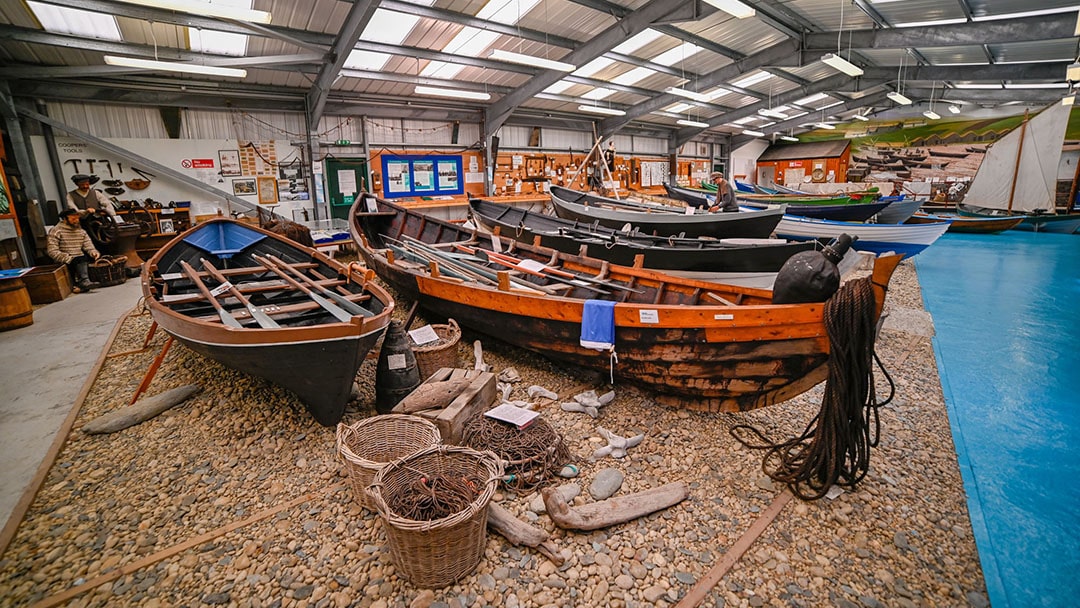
46,284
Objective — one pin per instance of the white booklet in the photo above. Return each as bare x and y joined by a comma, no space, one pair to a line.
508,412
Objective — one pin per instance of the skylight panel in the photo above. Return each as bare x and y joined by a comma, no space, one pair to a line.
811,99
389,27
634,75
64,20
926,23
638,41
749,80
594,66
976,86
506,11
598,93
746,120
679,107
677,54
559,87
469,42
1043,85
366,60
221,43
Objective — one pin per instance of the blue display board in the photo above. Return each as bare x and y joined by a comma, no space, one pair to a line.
416,175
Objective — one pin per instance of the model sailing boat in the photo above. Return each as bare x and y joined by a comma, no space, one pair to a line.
1018,175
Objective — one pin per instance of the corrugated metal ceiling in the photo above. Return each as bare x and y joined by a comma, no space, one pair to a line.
319,22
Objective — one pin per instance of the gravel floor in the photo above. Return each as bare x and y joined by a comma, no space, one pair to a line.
238,498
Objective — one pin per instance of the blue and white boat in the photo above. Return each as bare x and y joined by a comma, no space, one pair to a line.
907,239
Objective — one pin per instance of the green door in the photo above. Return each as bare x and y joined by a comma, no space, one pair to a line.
346,178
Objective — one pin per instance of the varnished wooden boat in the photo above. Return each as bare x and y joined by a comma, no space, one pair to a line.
848,212
960,223
267,306
655,219
742,261
701,345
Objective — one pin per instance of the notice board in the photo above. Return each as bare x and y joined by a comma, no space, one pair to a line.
421,175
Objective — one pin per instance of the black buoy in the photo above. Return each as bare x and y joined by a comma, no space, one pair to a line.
811,276
397,374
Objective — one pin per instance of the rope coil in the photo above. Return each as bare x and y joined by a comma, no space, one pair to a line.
834,449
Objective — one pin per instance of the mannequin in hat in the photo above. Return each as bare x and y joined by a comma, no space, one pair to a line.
725,195
87,200
69,244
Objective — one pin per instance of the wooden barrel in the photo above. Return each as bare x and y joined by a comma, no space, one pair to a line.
15,308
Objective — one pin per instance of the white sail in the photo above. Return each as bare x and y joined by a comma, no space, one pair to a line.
1035,175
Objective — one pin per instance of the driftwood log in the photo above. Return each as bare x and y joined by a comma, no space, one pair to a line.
521,533
432,395
594,516
140,411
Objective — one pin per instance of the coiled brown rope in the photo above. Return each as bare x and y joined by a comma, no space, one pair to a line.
531,456
835,447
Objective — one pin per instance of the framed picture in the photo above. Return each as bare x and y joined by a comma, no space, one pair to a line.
267,190
241,187
166,226
229,161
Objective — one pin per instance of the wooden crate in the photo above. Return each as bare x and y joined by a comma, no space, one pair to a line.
477,397
46,284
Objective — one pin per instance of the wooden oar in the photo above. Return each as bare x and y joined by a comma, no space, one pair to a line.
344,302
226,316
264,321
339,313
559,272
471,266
487,256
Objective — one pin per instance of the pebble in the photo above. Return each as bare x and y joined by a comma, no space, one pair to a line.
243,448
606,483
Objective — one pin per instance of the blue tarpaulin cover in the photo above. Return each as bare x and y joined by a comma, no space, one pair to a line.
224,239
598,324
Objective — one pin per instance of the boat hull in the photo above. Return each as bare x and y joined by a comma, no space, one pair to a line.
310,352
971,225
752,224
905,239
696,255
704,356
847,212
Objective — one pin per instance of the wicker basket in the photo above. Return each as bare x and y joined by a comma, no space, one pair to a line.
434,554
107,270
430,359
367,445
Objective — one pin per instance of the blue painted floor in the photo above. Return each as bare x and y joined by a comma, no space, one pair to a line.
1006,310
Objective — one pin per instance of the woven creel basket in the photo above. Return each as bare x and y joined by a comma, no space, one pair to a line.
432,358
367,445
437,553
107,270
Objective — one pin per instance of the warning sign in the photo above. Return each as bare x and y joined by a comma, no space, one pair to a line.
198,163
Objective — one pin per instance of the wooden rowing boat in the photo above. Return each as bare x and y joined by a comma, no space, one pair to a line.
906,239
267,306
742,261
697,344
661,221
960,223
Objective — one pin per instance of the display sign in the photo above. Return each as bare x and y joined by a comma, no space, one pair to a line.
415,175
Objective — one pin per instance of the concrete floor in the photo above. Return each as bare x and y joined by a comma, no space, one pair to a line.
42,370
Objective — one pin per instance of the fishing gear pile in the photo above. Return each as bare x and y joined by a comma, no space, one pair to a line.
531,456
835,447
432,497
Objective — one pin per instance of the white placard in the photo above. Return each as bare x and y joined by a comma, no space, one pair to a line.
508,412
167,211
474,177
532,265
395,362
689,210
648,316
220,289
346,179
424,335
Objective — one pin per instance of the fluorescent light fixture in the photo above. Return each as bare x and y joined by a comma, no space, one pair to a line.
824,125
170,66
898,98
602,110
197,7
753,133
772,113
789,138
955,109
1076,32
455,93
540,62
733,7
692,123
932,115
839,63
861,117
1072,74
1068,100
689,94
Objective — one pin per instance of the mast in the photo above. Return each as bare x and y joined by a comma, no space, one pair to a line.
1019,153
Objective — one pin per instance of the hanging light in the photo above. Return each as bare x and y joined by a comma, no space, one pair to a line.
898,98
703,98
602,110
824,125
955,109
753,133
839,63
175,66
1072,73
789,138
454,93
692,123
861,117
539,62
932,115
